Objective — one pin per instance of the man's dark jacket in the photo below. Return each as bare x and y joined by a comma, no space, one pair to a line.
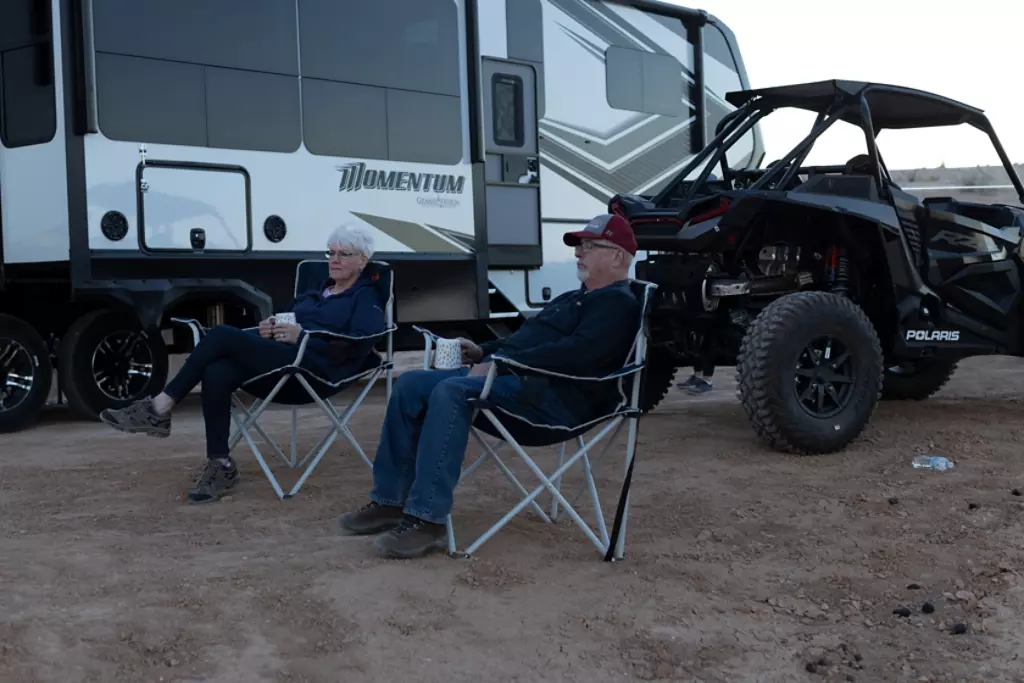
583,333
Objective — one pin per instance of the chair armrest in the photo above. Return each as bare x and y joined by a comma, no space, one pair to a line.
428,344
348,337
325,334
623,372
196,327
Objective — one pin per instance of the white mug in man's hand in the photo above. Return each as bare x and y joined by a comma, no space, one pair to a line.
447,354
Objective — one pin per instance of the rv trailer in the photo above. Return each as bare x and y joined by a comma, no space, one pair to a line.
177,159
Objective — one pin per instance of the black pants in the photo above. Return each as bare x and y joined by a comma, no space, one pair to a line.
223,360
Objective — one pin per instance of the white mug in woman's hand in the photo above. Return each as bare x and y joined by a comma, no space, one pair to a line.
447,354
284,318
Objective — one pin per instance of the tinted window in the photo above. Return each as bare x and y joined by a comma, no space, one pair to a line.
343,41
193,72
255,35
27,99
507,105
344,120
722,78
366,97
644,81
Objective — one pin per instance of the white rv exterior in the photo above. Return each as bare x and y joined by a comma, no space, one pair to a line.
163,159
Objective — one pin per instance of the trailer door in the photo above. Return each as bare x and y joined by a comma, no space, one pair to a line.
512,164
194,207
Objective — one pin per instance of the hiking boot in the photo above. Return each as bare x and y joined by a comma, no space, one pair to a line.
214,482
695,386
138,418
372,518
413,537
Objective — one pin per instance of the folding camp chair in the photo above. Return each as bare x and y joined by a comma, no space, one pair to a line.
296,386
515,432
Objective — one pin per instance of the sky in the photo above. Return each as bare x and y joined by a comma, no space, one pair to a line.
969,51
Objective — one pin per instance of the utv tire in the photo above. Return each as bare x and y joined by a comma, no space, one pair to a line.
789,399
917,381
23,354
100,360
660,373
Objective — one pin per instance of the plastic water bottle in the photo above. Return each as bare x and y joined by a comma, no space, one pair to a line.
931,462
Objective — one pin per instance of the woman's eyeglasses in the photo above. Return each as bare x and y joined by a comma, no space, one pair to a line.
338,255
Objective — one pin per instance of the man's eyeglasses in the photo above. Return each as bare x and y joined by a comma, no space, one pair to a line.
590,245
338,255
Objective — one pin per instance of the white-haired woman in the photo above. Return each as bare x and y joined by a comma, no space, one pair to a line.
226,357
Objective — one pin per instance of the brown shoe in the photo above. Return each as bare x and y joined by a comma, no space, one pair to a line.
413,537
372,518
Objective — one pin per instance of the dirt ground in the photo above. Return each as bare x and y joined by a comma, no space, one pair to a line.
742,564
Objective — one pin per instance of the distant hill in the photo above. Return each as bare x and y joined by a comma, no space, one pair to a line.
918,180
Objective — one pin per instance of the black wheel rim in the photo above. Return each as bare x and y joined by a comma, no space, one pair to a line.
17,374
824,378
122,365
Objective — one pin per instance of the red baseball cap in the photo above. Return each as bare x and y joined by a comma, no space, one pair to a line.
607,226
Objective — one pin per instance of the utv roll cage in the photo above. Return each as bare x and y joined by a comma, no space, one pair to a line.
871,106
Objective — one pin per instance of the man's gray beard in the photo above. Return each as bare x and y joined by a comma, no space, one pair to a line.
582,274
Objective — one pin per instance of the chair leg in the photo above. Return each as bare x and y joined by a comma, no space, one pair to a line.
557,482
545,484
251,423
339,423
294,446
620,544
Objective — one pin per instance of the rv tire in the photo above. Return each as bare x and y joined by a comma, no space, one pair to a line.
106,360
23,352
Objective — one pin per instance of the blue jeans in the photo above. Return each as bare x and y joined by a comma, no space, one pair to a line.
426,431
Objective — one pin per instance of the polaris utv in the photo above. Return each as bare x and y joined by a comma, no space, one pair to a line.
830,286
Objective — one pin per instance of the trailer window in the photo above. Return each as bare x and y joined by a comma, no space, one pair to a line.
722,77
28,104
507,105
193,72
365,96
643,81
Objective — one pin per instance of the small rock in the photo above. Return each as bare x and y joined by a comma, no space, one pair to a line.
927,608
704,535
894,501
914,587
811,667
902,611
1016,492
823,661
966,596
972,506
959,628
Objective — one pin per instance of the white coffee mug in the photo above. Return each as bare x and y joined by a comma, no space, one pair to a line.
447,354
284,318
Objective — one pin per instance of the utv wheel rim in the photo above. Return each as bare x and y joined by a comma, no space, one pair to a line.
824,377
17,372
122,365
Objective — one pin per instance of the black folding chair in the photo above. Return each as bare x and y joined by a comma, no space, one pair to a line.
295,386
515,431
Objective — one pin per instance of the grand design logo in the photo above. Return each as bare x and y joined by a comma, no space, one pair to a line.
357,176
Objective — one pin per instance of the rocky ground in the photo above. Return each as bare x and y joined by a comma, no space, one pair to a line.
743,564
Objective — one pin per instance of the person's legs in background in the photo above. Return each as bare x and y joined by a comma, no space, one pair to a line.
700,382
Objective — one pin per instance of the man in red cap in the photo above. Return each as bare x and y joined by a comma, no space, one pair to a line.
586,332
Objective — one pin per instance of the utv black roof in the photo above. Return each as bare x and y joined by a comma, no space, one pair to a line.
891,106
